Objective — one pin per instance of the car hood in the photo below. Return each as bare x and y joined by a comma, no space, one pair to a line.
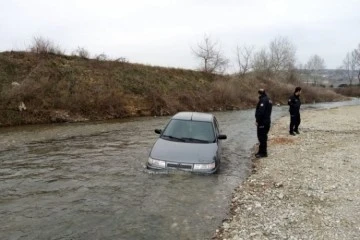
184,152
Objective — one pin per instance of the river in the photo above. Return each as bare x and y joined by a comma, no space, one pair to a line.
89,181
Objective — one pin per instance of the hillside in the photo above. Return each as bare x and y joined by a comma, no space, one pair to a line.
38,88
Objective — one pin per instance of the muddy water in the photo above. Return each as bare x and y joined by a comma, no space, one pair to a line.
88,181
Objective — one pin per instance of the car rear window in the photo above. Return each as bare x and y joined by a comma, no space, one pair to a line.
190,131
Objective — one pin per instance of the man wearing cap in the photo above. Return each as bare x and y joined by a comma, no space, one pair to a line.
294,109
263,121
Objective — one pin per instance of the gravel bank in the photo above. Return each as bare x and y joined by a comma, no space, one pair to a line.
308,187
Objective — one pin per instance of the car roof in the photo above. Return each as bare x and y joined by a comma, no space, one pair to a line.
194,116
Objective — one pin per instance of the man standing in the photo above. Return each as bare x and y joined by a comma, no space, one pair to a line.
295,103
263,121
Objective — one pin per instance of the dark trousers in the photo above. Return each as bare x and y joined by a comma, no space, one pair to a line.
262,134
294,122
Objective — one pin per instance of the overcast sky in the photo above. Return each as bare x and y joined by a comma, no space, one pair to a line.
162,32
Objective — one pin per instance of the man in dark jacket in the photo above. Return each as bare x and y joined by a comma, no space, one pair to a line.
295,103
263,121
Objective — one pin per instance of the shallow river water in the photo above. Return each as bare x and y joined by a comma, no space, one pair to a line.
88,180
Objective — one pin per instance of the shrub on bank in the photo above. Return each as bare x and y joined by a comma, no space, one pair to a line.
351,91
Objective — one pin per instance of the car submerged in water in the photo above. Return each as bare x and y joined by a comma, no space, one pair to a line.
191,141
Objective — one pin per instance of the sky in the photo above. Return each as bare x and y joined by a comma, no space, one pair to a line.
163,32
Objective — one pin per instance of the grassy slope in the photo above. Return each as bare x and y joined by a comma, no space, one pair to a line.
64,88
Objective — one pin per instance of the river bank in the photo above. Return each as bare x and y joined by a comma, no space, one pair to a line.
308,187
51,88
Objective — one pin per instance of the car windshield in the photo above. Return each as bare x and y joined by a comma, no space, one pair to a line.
189,131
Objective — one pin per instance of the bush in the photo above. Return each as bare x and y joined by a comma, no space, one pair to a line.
41,45
122,60
101,57
351,91
82,52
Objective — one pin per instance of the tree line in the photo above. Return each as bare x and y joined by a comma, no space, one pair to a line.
278,57
351,65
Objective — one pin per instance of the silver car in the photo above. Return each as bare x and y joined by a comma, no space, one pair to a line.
190,142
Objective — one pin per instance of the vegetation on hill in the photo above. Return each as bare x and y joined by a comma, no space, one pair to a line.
44,88
351,91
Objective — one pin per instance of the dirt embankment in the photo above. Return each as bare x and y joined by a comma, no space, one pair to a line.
308,187
37,88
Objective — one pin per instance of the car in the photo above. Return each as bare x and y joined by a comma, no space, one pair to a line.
191,141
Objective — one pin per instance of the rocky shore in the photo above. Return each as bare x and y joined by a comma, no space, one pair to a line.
309,185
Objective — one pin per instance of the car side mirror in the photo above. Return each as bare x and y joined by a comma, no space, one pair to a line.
222,136
158,131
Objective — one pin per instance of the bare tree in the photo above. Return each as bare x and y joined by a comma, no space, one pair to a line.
303,73
307,72
244,58
314,65
261,62
300,67
356,55
282,55
211,56
349,65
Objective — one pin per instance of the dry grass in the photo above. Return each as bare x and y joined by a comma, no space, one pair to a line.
353,91
95,89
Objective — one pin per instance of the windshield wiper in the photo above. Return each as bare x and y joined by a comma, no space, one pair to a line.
195,140
174,138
